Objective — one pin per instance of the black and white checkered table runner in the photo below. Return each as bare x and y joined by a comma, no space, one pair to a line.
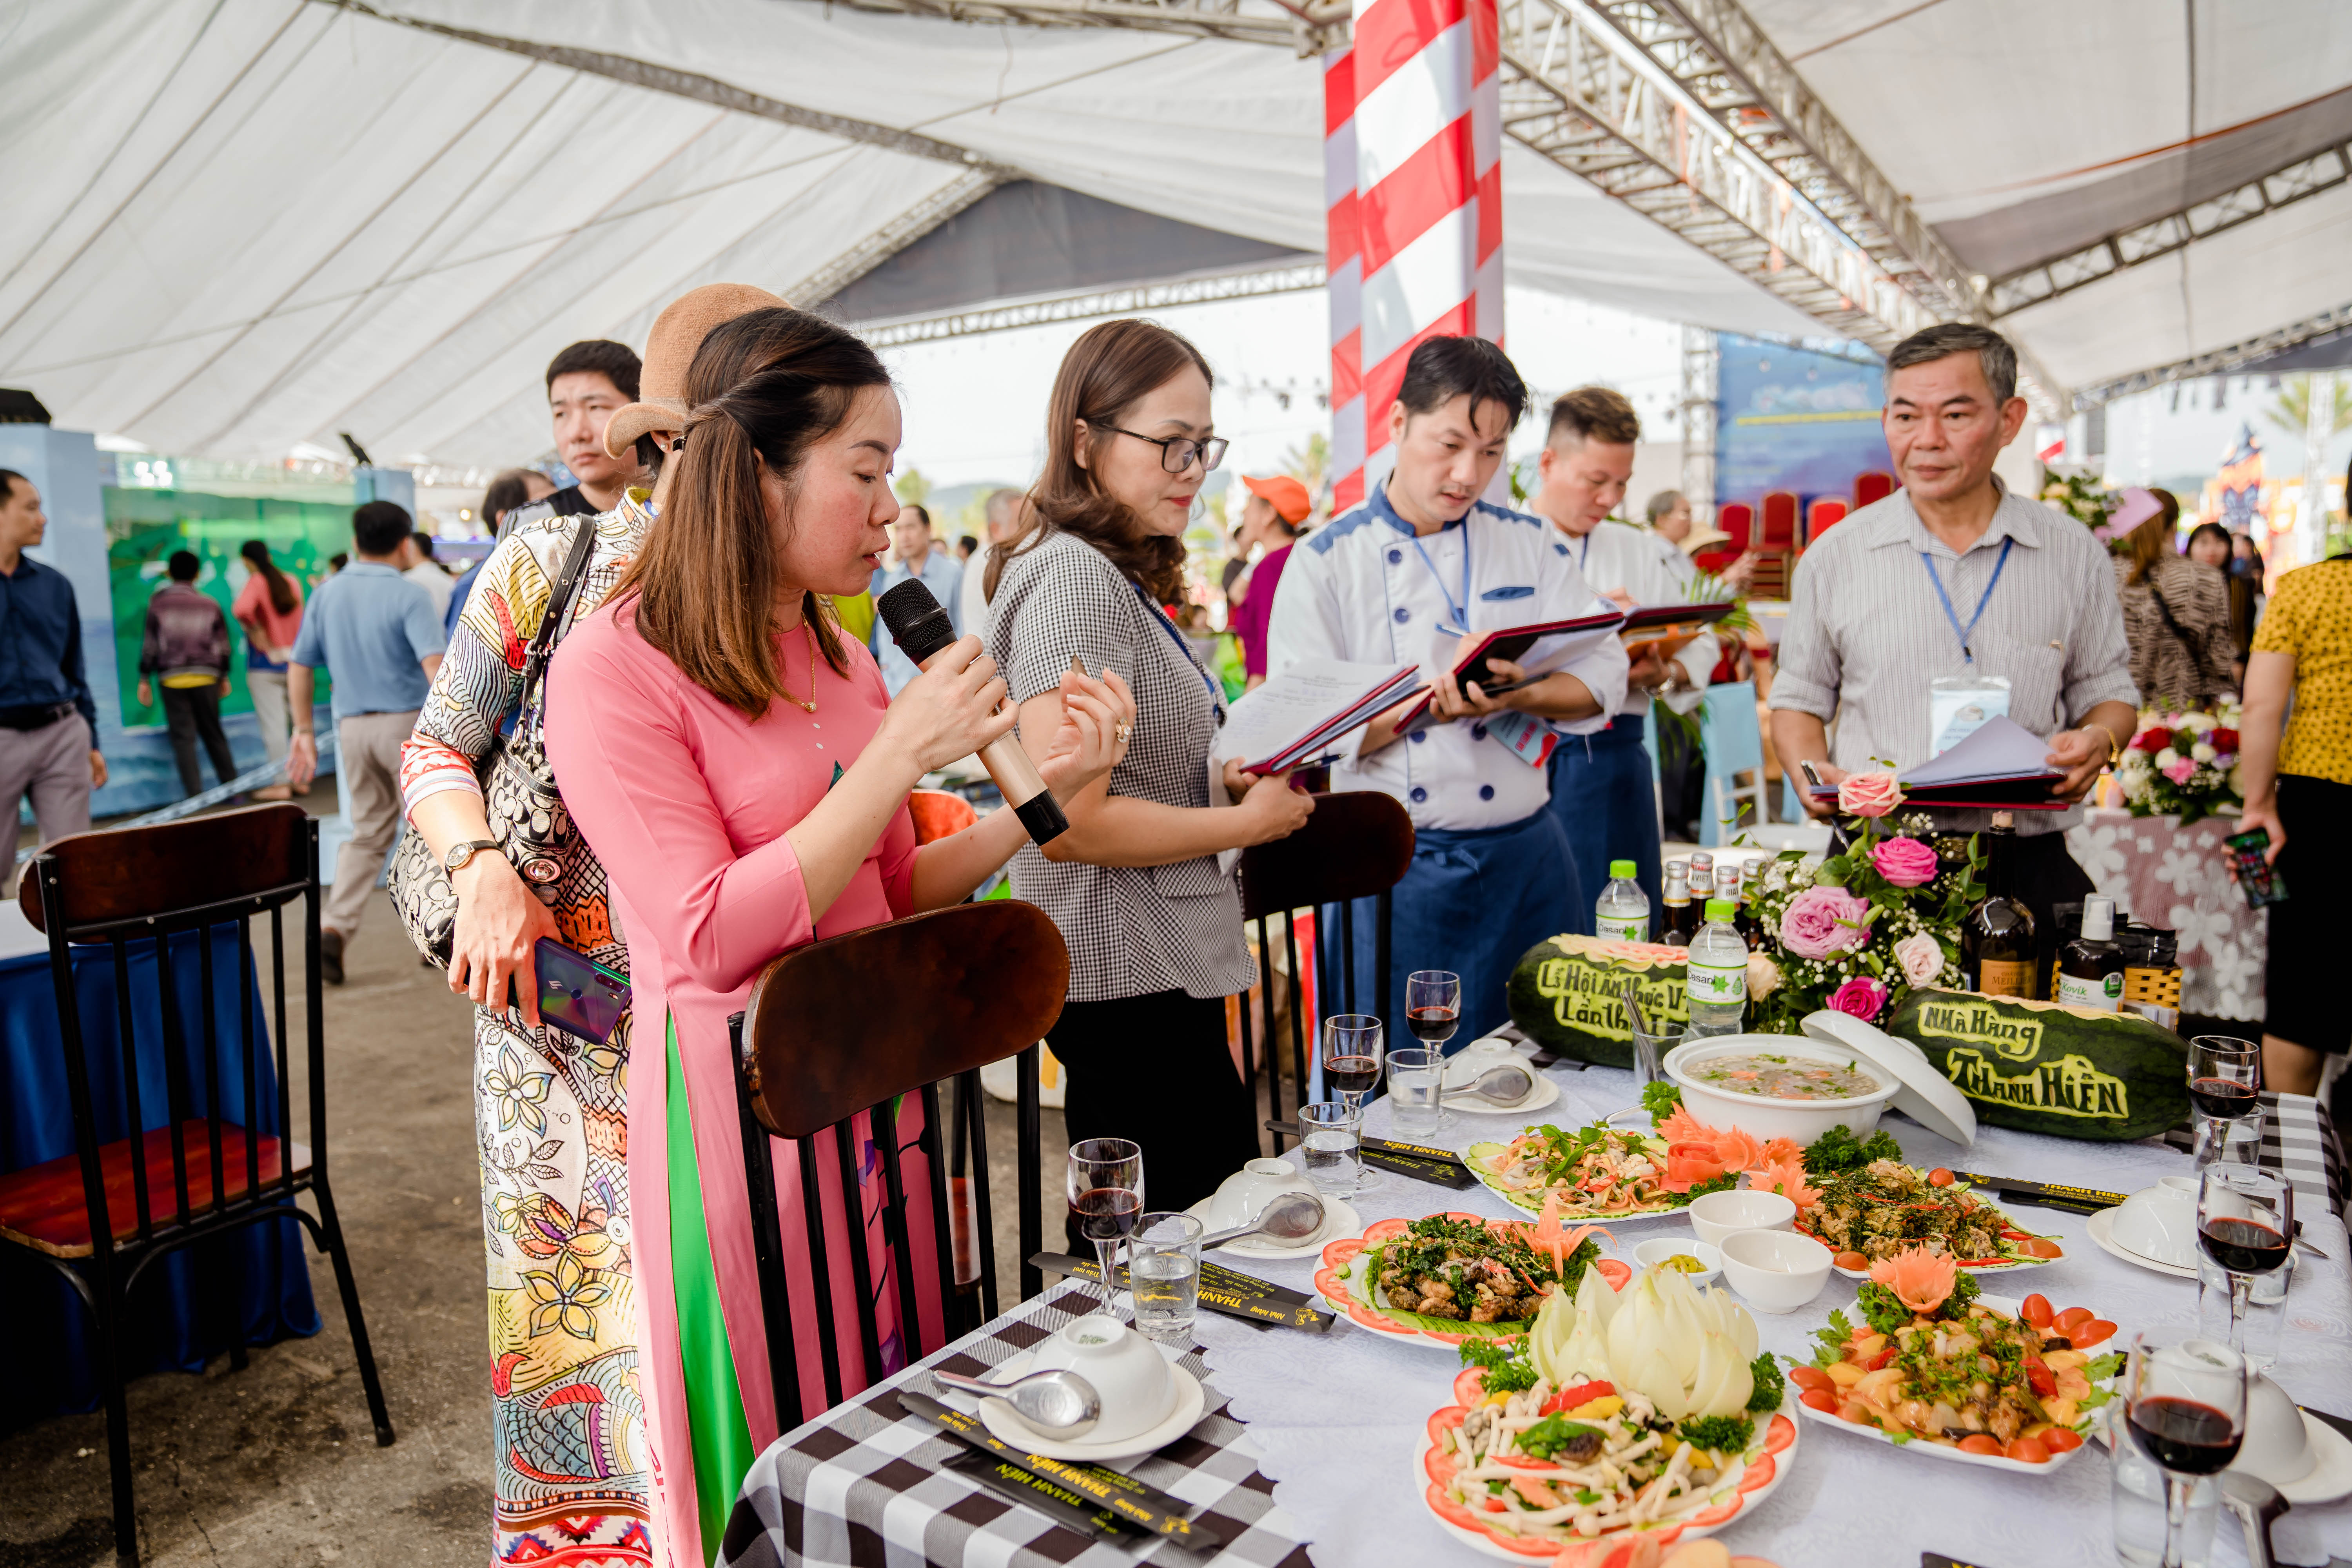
862,1484
2299,1143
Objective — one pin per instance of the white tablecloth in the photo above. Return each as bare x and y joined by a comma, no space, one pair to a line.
1337,1418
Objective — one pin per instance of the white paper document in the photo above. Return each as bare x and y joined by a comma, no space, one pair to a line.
2000,748
1309,704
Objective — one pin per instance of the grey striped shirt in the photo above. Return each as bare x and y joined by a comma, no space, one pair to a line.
1867,633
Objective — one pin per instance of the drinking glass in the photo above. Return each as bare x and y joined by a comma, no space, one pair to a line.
1351,1055
1433,1005
1105,1185
2185,1408
1416,1090
2245,1222
1651,1047
2225,1079
1163,1270
1331,1140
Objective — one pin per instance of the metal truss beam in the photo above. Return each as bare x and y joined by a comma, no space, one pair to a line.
892,237
2305,177
1083,305
2220,361
1308,29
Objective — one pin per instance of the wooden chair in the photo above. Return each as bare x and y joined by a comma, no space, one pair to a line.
189,1172
1357,844
851,1025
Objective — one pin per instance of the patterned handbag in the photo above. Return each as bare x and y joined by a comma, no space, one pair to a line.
526,812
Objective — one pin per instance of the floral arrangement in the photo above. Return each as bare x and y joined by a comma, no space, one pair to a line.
2079,497
2182,764
1856,931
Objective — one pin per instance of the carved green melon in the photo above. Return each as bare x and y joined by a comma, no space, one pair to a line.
2044,1067
1566,995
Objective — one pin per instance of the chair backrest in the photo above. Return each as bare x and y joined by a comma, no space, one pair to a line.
851,1026
1733,741
1778,520
1825,513
1357,844
1872,485
1737,519
213,1096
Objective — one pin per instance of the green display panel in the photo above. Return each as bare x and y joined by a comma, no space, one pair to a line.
144,526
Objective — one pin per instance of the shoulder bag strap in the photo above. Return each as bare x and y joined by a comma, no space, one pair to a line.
559,608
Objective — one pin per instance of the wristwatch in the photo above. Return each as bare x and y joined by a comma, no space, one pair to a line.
461,856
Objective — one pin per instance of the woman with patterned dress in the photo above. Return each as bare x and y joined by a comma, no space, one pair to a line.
742,776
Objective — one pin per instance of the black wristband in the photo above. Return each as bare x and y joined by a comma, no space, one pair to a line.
1042,815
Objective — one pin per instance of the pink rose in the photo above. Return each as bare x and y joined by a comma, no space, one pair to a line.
1822,921
1921,956
1906,862
1869,794
2180,770
1861,996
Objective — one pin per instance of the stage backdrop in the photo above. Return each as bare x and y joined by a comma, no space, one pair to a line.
1794,419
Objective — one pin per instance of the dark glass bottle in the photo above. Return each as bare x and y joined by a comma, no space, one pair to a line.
1751,919
1678,923
1997,936
2090,967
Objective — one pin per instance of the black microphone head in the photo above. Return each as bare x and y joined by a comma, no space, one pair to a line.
917,624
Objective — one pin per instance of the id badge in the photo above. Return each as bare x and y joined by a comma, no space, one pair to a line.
1524,735
1957,706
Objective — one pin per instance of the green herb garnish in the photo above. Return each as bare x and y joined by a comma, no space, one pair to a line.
1839,1150
1724,1433
1660,1099
1770,1384
1551,1434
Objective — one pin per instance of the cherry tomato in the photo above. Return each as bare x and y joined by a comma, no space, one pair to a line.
2061,1440
1939,1177
2028,1450
1810,1377
1820,1399
2037,1312
2042,1246
1851,1261
1881,1359
2044,1381
2096,1330
2066,1320
1980,1443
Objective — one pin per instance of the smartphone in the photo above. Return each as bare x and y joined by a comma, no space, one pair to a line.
2257,877
576,994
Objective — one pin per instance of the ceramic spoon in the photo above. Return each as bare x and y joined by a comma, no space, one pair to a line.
1288,1220
1505,1086
1055,1403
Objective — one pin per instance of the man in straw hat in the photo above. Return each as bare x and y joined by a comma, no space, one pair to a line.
572,1452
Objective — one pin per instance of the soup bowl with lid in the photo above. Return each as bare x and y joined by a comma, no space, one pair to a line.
1701,1068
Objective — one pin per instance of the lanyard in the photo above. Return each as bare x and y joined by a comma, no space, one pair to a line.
1216,698
1459,611
1964,633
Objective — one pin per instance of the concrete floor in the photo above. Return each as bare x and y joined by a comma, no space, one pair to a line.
277,1464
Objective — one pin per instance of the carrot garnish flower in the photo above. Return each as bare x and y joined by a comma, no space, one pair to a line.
1919,1279
1547,1231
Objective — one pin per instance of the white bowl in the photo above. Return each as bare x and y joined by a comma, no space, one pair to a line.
1479,1055
1243,1196
1718,1215
1658,1249
1129,1374
2160,1222
1775,1270
2278,1447
1802,1120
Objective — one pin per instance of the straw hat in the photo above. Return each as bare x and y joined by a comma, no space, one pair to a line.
670,348
1702,536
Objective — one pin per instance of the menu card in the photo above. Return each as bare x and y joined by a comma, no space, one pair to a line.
1537,648
1301,712
1998,765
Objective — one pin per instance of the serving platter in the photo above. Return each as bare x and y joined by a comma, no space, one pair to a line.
2102,1228
1344,1281
1476,1154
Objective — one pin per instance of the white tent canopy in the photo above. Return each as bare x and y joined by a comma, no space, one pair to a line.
236,228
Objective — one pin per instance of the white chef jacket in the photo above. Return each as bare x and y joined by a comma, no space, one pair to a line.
1619,556
1361,590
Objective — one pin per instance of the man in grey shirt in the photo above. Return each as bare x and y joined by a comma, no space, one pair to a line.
1954,579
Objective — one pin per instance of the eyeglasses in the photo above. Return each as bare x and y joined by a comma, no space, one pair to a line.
1176,453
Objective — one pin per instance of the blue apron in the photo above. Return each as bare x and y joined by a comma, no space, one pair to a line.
1473,902
1605,794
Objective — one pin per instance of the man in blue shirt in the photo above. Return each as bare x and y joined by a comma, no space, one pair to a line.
49,725
915,553
378,635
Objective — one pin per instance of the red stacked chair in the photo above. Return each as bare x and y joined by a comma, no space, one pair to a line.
1776,546
1737,519
1872,486
1825,513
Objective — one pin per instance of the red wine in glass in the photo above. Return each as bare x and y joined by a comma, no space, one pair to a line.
2184,1435
1432,1026
2222,1097
1351,1075
1107,1213
2244,1246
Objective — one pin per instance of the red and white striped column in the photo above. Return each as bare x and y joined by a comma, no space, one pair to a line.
1343,280
1427,257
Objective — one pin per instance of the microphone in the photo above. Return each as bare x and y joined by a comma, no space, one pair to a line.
921,629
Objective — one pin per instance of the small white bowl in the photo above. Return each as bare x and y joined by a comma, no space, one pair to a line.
1775,1270
1243,1196
1658,1249
1463,1066
1129,1374
2160,1222
1802,1120
1716,1216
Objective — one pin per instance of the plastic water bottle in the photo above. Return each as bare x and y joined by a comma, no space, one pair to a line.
1624,911
1717,972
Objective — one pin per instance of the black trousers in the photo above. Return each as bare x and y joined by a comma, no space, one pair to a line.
192,712
1155,1070
2303,1005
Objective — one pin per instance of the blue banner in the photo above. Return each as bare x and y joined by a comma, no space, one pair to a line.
1795,419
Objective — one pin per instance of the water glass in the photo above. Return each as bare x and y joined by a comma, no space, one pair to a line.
1163,1270
1653,1047
2261,1320
2225,1117
1332,1143
1416,1090
2184,1412
2141,1504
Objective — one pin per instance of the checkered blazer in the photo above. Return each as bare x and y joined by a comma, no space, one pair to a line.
1132,930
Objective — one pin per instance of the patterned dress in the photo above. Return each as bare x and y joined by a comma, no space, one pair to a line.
575,1467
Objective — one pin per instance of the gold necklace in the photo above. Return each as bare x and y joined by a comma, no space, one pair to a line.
810,637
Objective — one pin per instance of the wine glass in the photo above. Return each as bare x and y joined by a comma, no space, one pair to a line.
1433,1011
2245,1224
2185,1408
1105,1184
2225,1077
1353,1048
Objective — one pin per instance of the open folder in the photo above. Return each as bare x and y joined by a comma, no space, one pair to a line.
2000,766
1537,648
1667,629
1299,713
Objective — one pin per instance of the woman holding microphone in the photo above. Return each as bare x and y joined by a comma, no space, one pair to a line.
1154,927
738,768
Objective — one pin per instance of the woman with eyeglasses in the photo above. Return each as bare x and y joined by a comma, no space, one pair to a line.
1154,927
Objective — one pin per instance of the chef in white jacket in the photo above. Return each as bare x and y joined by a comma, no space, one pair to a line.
1422,564
1604,785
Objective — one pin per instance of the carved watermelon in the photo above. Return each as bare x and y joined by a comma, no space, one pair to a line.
1565,993
2044,1067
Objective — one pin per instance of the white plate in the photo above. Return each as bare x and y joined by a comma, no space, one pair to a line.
1521,1201
1338,1220
2011,1305
1007,1428
2330,1476
2102,1227
1545,1092
1980,1269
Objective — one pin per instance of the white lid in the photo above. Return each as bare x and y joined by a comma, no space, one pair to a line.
1926,1097
2098,917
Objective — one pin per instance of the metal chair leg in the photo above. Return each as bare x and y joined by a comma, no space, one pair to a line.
106,1320
348,1289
